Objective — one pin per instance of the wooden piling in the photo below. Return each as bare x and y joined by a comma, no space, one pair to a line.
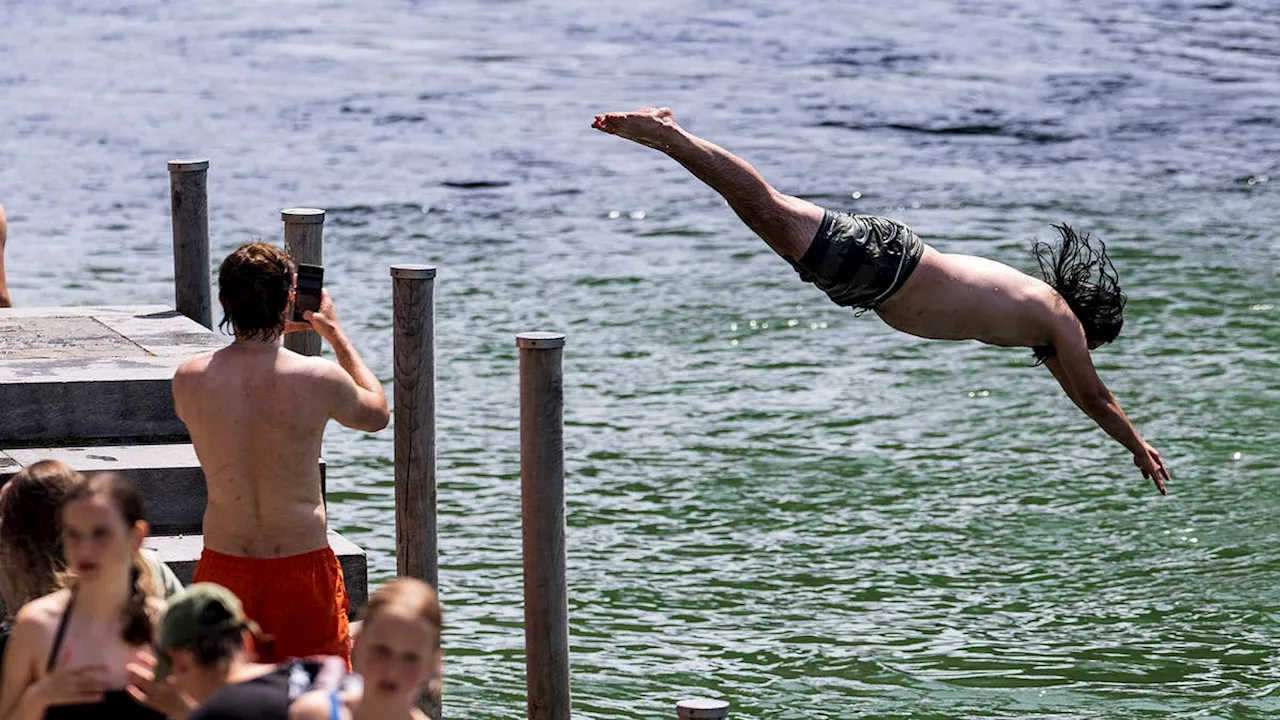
304,242
702,709
189,206
413,311
546,609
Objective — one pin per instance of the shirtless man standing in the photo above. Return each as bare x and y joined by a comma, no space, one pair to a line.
875,263
257,413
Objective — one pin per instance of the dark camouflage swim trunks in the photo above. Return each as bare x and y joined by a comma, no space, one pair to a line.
859,260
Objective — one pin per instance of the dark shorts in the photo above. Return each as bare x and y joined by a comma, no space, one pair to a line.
859,260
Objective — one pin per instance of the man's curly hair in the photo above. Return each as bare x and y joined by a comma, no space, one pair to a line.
1079,269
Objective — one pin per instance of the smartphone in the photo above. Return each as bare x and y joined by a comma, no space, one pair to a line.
307,295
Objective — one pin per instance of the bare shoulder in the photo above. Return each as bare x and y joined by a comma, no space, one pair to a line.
319,370
1052,309
39,618
193,366
45,606
314,704
1062,320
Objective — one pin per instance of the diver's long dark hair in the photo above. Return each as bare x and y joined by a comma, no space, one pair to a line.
1079,269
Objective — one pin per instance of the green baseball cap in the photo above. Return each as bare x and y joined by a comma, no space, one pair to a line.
202,610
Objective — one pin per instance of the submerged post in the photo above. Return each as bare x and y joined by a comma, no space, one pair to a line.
702,709
413,310
546,607
304,241
189,206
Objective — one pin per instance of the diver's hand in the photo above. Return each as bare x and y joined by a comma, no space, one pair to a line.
1152,467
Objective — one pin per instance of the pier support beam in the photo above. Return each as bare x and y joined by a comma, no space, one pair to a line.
304,242
414,348
702,709
189,205
546,607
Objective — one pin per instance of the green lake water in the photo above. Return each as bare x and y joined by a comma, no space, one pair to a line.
769,500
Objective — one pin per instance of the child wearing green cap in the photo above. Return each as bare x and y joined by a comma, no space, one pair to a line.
202,668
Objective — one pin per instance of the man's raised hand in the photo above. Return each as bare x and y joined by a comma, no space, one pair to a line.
324,321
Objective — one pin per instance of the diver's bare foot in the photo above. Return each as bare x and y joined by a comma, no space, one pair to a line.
653,127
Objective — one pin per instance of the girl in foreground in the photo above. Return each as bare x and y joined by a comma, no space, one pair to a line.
67,655
397,653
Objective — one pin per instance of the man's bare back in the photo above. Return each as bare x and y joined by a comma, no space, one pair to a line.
945,296
257,413
963,297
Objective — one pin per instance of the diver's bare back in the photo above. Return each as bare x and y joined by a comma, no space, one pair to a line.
964,297
255,417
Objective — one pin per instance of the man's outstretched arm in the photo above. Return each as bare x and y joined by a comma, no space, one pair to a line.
359,401
1074,371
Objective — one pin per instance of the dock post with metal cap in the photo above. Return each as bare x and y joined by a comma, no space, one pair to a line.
542,518
414,348
189,206
702,709
304,242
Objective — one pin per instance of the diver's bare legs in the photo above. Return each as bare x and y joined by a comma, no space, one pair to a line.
786,223
4,286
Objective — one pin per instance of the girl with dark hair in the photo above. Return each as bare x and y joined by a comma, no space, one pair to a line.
68,652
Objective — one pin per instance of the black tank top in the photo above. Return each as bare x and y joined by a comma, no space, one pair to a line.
115,703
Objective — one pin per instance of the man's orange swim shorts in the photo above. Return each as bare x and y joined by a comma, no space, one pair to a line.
300,601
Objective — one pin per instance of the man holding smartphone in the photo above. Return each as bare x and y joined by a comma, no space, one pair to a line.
257,413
